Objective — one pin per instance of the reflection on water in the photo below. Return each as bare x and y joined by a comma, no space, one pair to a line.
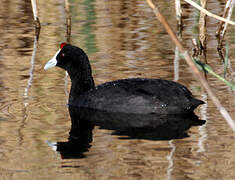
123,39
146,126
127,126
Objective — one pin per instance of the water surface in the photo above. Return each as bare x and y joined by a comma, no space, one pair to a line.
123,39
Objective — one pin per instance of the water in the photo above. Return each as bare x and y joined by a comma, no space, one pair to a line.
123,39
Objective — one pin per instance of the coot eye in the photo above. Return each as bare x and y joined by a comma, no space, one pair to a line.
62,55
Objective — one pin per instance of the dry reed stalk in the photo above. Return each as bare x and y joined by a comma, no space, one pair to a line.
196,49
35,16
231,6
223,26
209,13
202,27
68,20
191,63
178,12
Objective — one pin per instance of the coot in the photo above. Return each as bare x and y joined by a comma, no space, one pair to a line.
134,95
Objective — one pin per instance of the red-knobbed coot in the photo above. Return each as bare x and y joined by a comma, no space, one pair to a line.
135,95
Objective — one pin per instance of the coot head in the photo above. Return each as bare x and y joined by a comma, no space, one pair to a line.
75,61
70,58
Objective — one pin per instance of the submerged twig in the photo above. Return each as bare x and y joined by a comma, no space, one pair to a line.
176,64
226,60
191,63
31,71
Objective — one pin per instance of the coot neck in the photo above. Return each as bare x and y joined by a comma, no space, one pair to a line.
82,80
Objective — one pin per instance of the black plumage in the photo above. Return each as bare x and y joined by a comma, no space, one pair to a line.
135,95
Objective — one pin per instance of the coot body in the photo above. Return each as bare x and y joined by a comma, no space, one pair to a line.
134,95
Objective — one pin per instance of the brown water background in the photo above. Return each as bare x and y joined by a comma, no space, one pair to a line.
123,39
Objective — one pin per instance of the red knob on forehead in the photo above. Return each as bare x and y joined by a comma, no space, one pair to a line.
62,45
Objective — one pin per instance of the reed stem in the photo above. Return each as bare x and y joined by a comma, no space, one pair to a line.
35,15
191,63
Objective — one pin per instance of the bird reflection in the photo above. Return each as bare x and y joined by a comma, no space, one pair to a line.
127,126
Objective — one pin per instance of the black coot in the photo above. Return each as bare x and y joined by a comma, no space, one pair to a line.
135,95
